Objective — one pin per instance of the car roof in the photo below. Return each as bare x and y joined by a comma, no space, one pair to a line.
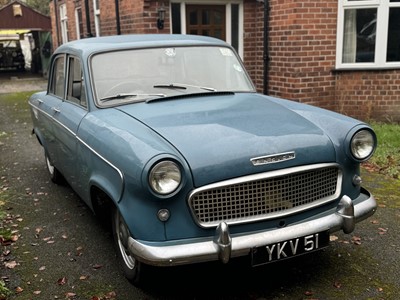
88,46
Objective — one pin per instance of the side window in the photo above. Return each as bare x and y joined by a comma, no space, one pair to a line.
58,77
76,87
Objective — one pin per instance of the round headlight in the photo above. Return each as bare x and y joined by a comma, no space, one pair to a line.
14,54
165,177
362,144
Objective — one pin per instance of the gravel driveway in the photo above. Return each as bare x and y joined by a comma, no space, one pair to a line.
61,251
18,82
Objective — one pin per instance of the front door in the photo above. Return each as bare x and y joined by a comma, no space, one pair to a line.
208,20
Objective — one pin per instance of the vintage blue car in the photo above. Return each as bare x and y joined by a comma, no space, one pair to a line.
166,136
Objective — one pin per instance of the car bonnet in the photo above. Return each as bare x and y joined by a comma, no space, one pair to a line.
219,135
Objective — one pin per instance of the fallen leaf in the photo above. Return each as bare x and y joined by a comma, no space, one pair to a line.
111,295
382,231
70,295
337,284
333,238
62,281
83,277
37,292
4,242
308,293
356,240
79,251
97,266
19,289
42,268
11,264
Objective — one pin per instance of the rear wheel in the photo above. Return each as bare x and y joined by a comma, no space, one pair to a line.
132,268
55,175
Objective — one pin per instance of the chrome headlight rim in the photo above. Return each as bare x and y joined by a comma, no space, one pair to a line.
362,144
165,178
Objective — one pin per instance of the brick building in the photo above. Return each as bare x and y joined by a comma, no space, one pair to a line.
343,55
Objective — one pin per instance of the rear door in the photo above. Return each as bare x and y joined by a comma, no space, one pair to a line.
49,106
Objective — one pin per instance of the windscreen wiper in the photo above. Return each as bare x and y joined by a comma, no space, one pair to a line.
182,86
128,95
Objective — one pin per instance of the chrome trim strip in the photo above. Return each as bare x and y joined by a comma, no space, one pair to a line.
121,175
273,158
266,175
86,145
207,249
54,119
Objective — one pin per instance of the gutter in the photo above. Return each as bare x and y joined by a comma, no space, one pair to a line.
118,25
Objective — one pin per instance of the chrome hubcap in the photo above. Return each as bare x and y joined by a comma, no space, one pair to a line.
122,233
50,167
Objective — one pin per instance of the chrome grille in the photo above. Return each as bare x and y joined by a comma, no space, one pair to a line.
265,196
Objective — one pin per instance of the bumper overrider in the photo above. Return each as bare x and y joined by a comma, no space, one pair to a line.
224,246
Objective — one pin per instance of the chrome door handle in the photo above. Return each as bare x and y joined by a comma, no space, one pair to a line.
40,101
56,109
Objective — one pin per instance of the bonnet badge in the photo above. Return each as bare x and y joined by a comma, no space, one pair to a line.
272,159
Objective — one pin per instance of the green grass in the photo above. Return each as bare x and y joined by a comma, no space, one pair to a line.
5,234
386,159
4,291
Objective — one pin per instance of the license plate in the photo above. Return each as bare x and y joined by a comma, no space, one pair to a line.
290,248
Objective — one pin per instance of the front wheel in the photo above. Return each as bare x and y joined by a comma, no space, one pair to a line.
132,268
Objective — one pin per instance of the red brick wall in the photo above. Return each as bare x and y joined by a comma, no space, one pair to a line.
139,16
302,51
253,41
369,94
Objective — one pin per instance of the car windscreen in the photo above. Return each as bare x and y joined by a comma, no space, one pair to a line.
140,74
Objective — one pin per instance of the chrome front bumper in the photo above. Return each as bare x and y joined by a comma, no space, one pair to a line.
224,246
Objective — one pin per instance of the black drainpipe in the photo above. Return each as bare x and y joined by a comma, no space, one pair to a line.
117,17
87,13
266,47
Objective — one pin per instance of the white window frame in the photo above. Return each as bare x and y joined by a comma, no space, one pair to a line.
96,18
78,32
228,14
64,23
382,7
